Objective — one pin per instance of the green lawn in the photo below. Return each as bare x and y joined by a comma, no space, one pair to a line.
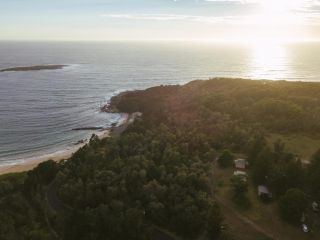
302,145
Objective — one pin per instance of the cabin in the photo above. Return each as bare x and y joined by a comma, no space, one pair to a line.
241,174
240,164
264,193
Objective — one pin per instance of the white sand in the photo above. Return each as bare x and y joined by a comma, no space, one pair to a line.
31,163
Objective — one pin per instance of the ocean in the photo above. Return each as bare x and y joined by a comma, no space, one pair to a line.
39,109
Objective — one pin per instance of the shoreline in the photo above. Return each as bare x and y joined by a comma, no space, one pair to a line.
31,163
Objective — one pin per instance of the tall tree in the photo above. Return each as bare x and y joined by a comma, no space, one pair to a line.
292,205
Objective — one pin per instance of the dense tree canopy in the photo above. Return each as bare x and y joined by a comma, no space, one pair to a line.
226,159
313,180
150,176
292,205
157,173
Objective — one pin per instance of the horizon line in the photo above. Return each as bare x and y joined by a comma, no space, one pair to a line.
224,40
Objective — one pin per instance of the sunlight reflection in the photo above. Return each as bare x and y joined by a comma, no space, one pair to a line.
269,61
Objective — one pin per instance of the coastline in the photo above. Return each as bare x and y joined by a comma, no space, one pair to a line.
65,154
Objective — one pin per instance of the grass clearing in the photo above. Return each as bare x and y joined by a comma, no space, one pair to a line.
263,215
301,145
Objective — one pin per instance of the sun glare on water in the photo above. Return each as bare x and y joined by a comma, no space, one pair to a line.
269,61
278,22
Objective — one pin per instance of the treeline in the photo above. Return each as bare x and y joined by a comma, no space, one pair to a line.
277,106
157,173
24,212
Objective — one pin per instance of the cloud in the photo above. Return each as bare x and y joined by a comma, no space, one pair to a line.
310,2
175,17
236,1
155,17
295,4
253,19
269,13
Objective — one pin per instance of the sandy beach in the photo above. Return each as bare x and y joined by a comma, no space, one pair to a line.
30,163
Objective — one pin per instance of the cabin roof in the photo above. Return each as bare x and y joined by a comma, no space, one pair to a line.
239,173
240,163
263,190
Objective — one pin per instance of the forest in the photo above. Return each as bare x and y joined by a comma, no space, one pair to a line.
157,174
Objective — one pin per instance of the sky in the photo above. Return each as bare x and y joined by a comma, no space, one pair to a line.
144,20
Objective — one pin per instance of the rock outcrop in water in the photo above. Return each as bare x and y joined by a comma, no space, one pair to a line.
87,128
33,68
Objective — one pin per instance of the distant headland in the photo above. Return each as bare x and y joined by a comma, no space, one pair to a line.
33,68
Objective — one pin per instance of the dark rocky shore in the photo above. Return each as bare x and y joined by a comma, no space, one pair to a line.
33,68
111,107
87,128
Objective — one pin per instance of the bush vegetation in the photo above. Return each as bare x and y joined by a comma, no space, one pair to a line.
157,173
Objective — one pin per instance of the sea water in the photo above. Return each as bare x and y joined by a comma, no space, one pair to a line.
39,109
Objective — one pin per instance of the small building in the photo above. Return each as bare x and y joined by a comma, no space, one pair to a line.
240,164
263,192
241,174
